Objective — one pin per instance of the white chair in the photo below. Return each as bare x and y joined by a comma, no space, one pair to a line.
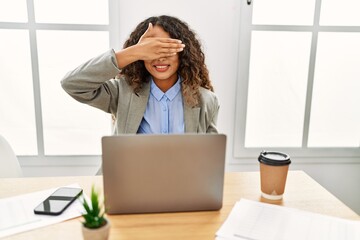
9,163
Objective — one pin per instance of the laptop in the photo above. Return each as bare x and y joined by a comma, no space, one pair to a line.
163,173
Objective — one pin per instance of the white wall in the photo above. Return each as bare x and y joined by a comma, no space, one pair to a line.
217,24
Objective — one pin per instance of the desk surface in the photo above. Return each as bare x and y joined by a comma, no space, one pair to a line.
301,192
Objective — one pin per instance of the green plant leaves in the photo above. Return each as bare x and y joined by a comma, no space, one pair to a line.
94,215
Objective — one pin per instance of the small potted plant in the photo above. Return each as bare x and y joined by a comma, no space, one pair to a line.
95,225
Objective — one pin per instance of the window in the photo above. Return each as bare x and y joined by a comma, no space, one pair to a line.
40,41
17,121
298,78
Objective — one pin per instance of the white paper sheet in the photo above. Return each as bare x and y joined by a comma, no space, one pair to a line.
17,213
252,220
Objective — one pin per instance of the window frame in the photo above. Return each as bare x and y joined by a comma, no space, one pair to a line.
32,26
328,154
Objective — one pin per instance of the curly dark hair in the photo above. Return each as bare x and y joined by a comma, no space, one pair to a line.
192,67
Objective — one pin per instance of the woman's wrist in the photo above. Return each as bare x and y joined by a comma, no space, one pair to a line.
127,56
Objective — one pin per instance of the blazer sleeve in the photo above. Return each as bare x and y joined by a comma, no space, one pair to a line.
213,117
93,82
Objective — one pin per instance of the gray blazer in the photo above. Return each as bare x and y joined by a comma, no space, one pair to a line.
90,84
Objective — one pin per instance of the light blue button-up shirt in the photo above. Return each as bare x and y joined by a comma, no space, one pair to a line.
164,111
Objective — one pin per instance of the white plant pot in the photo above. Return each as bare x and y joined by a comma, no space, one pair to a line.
96,233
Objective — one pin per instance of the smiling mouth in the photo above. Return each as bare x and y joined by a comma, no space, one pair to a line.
161,68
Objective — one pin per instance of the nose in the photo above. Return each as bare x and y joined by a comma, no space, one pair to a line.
162,59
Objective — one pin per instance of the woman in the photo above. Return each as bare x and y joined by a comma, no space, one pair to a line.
158,83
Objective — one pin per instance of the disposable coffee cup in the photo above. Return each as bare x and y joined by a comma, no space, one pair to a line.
274,167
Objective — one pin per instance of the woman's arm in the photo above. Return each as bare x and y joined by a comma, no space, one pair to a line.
89,83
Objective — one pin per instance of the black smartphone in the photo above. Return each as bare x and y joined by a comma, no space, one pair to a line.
57,202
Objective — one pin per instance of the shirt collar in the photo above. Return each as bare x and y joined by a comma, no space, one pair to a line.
170,94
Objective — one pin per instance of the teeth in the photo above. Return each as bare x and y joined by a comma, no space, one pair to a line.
162,67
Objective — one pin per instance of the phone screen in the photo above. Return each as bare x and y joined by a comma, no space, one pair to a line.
57,202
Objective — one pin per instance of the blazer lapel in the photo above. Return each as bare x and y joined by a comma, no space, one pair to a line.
191,118
137,109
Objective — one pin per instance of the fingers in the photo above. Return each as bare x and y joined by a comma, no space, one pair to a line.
175,49
147,33
172,47
169,40
163,53
168,52
150,48
168,46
